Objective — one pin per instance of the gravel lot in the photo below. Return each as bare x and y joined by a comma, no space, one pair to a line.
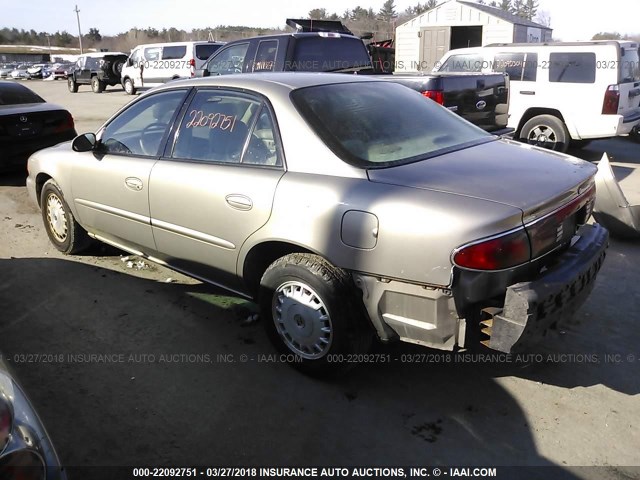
126,368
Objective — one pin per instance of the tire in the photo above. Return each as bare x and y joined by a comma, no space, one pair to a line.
73,86
312,312
635,134
63,230
546,131
128,86
96,85
116,67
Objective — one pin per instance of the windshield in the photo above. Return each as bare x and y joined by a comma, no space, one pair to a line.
328,54
380,124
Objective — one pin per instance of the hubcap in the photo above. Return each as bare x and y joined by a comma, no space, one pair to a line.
56,217
302,320
543,136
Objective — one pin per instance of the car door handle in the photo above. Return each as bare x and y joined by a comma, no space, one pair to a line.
239,202
527,92
134,183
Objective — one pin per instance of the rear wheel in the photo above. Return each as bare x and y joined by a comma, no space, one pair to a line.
73,86
96,85
63,230
128,86
546,131
313,313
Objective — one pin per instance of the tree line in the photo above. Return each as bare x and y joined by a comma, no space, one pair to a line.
360,20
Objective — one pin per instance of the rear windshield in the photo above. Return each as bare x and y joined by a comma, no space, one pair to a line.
380,124
205,51
13,94
328,54
629,65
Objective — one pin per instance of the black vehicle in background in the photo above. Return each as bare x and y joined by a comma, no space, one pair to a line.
28,124
328,46
100,69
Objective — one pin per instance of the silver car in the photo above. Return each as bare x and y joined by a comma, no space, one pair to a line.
26,451
346,206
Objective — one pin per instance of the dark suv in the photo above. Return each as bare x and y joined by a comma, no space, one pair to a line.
97,69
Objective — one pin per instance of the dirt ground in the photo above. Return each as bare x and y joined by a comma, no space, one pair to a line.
132,364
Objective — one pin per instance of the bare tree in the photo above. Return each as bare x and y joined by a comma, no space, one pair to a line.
543,18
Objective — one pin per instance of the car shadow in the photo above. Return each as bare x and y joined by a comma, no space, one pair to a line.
181,374
14,178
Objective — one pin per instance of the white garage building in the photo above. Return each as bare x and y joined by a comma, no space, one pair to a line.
422,41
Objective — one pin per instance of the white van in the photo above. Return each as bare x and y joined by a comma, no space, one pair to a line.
157,63
562,92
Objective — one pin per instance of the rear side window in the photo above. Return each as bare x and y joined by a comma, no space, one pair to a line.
328,54
630,64
174,52
216,127
572,67
265,56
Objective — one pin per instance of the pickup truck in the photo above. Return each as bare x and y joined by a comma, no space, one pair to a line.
321,46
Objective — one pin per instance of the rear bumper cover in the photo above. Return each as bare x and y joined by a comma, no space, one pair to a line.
530,308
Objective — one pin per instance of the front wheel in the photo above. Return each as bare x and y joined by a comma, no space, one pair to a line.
546,131
73,86
128,86
63,230
313,313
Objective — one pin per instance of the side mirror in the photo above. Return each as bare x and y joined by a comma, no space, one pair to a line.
84,143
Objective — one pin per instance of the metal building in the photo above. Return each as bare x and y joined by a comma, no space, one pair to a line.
422,41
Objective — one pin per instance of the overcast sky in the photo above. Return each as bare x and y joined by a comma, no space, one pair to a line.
570,19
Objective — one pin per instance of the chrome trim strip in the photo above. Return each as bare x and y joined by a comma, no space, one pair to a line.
193,234
101,207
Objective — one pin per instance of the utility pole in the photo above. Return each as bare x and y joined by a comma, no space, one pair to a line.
79,31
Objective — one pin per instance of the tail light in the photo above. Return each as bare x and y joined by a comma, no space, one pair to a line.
192,65
611,100
65,124
496,253
435,95
6,422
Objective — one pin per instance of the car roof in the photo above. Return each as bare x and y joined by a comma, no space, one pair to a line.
271,82
101,54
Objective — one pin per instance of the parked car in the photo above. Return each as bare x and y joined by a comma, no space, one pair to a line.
6,69
28,124
37,70
21,72
99,69
61,71
157,63
344,205
481,98
26,451
562,93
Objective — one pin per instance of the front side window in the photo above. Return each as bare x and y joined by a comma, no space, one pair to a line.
572,67
229,60
152,53
462,63
509,63
380,124
139,129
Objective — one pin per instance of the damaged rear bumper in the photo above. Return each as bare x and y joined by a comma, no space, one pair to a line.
530,308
